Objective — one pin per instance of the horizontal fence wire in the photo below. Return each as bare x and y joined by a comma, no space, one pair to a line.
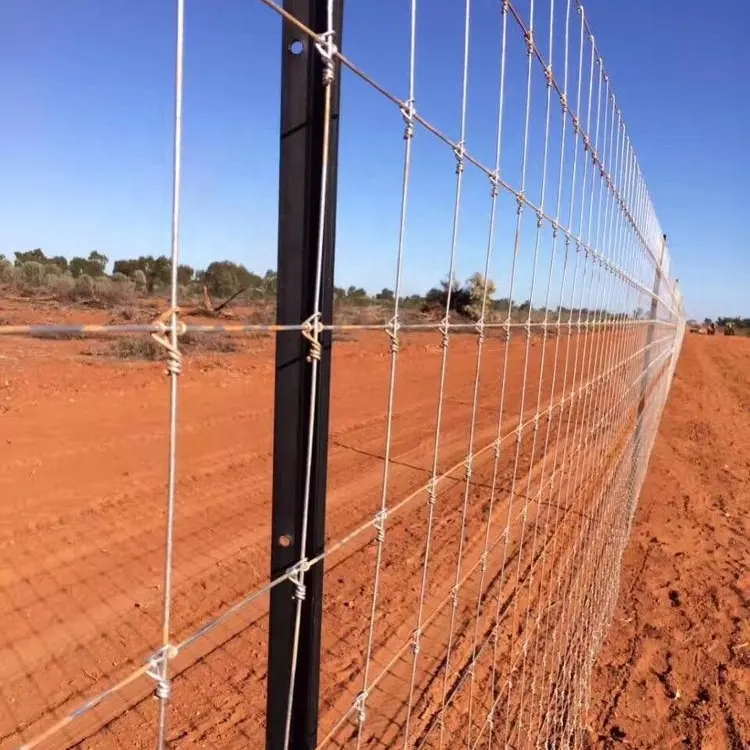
511,540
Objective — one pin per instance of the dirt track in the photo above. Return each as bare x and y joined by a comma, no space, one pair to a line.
675,669
81,542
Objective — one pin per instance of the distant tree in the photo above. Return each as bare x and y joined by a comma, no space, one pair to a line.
92,266
385,295
157,271
224,278
60,261
139,278
184,275
270,283
32,273
99,261
7,273
24,256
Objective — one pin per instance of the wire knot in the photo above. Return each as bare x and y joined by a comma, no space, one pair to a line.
520,201
297,578
548,75
407,112
479,328
327,50
415,636
359,706
529,39
459,152
392,330
443,329
158,671
379,524
431,492
311,330
167,322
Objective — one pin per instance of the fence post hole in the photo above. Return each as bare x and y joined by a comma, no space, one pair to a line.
300,182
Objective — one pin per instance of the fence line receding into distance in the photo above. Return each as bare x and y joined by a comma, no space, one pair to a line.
480,583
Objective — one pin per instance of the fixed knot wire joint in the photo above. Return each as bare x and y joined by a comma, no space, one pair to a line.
311,330
327,50
392,330
360,706
494,184
379,524
167,322
297,577
520,202
407,112
443,329
459,151
157,671
479,328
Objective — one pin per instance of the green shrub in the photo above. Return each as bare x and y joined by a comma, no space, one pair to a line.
62,286
139,279
109,292
136,347
51,270
32,273
119,277
84,286
7,273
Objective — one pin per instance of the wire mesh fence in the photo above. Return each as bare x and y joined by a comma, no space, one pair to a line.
445,564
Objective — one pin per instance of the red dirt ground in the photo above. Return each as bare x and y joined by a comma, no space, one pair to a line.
82,532
675,668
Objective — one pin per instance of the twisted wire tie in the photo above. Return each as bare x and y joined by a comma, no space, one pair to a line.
479,328
495,184
157,671
459,151
529,38
174,363
298,579
379,524
392,331
468,469
359,705
407,112
327,50
443,329
431,492
311,329
415,641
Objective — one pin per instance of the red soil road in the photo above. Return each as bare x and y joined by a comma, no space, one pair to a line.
675,668
82,523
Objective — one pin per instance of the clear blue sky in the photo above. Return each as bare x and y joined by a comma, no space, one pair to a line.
85,136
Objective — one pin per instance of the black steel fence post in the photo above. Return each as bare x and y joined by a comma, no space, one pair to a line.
300,180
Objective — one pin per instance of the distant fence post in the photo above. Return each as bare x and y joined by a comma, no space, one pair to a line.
300,180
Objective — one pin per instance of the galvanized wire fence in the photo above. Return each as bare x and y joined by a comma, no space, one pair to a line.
461,599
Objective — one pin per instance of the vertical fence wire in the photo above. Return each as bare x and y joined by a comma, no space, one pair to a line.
163,689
